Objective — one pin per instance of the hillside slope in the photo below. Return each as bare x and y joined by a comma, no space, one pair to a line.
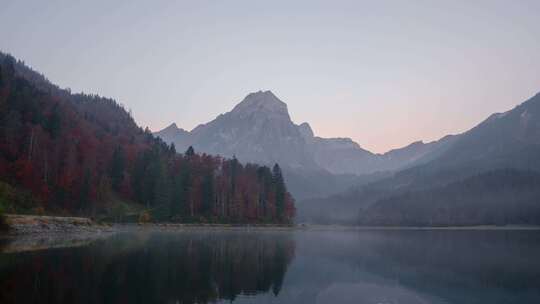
77,153
503,141
497,197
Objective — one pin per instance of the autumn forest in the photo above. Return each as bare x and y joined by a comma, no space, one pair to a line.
79,154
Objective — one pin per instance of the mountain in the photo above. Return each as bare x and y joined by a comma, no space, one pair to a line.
499,197
503,140
84,154
509,140
259,129
182,137
344,156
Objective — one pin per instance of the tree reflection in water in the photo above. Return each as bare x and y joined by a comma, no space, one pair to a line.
194,267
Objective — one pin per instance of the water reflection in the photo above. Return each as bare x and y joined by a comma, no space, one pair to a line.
370,267
416,267
150,268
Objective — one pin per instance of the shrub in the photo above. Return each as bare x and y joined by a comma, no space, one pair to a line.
145,217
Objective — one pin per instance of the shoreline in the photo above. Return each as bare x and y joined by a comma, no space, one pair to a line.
57,225
20,224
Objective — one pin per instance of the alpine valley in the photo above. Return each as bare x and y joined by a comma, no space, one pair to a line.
85,155
487,175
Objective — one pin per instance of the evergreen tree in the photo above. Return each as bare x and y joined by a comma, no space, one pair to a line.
234,173
162,192
265,179
9,67
54,122
280,189
179,200
145,177
138,174
117,167
190,151
208,194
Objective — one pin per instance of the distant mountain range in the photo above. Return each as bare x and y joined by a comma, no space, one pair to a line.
71,150
337,181
504,141
260,130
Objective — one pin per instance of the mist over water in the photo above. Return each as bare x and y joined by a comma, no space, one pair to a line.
355,266
312,152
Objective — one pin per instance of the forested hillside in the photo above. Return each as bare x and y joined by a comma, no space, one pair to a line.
84,154
503,142
497,197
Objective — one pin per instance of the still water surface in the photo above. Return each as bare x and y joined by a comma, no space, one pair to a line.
362,266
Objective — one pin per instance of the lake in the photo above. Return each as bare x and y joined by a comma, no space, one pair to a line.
277,266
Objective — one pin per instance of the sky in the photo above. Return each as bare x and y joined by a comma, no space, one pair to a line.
384,73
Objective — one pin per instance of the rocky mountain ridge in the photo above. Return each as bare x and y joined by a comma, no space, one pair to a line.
259,129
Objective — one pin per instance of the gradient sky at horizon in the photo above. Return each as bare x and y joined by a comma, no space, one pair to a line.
385,73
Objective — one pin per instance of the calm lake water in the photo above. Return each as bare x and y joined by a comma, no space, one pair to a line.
365,266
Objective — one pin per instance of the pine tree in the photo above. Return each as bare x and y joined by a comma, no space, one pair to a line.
190,152
178,205
53,124
117,167
208,194
9,64
162,192
281,191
